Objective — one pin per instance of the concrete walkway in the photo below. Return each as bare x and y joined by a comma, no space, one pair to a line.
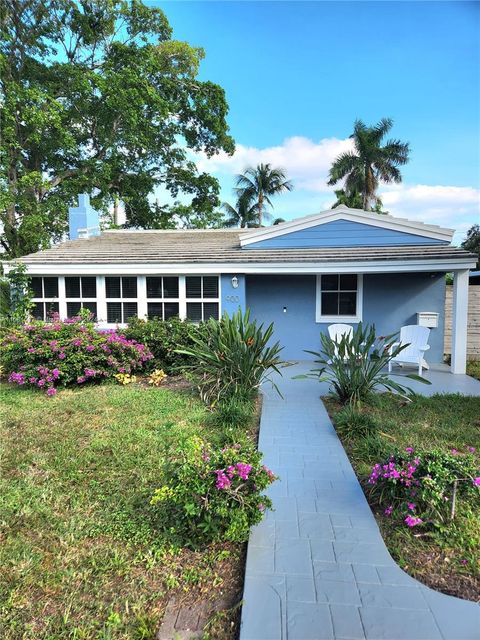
317,567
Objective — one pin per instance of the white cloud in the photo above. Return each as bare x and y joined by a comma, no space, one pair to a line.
306,162
448,206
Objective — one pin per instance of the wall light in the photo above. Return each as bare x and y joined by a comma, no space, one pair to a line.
235,282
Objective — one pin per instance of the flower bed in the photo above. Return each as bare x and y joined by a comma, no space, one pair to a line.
47,355
418,464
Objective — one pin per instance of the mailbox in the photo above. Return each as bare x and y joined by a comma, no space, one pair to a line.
427,319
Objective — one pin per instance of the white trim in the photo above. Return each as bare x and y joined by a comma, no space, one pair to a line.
319,318
460,322
351,215
142,297
182,295
62,300
101,300
363,266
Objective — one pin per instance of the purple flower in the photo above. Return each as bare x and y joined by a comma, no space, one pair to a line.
471,449
18,378
89,373
61,356
90,347
261,507
77,342
243,470
31,350
41,383
51,391
388,510
55,373
81,379
411,521
411,506
409,449
476,481
454,452
223,482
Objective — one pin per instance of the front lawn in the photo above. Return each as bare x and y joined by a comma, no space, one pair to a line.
444,557
80,556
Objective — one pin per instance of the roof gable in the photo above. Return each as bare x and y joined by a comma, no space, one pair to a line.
345,227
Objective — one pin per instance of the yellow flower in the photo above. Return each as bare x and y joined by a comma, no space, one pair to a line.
157,377
125,378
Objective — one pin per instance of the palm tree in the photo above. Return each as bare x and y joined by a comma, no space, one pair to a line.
370,162
278,221
354,200
245,212
262,182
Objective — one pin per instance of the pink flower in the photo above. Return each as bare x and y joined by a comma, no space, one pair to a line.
471,449
77,342
463,561
223,482
55,373
31,350
51,391
411,521
476,481
454,452
41,383
411,506
90,347
243,470
261,507
61,356
388,510
81,379
409,449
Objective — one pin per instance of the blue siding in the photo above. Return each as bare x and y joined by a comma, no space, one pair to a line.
389,301
232,299
342,234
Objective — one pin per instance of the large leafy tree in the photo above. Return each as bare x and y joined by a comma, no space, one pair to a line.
97,96
261,183
370,163
244,213
472,241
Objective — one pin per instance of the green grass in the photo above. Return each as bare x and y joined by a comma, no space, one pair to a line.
473,369
79,554
446,559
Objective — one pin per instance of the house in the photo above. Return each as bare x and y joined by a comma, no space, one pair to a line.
340,265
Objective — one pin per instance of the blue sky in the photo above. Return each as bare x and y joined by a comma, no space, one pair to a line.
297,74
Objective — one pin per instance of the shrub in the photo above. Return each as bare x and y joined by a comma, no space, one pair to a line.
233,413
211,494
163,338
350,423
50,354
425,486
231,358
354,364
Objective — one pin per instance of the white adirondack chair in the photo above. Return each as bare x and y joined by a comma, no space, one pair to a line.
417,339
337,331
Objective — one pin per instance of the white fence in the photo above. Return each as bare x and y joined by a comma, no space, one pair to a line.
473,331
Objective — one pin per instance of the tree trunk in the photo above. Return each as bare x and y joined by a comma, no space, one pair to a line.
260,208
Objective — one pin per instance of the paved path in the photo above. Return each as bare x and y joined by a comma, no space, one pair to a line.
317,567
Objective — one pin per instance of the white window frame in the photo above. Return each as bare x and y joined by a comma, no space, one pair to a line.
202,299
357,317
81,300
45,299
162,300
141,286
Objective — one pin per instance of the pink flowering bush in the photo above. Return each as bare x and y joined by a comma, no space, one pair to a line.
211,493
48,355
418,487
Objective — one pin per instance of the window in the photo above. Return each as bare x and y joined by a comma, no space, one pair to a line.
202,293
162,297
45,296
121,293
81,293
339,297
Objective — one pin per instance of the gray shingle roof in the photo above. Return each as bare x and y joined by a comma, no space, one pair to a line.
217,246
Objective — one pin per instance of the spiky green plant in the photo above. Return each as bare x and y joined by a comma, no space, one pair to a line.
355,364
232,357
